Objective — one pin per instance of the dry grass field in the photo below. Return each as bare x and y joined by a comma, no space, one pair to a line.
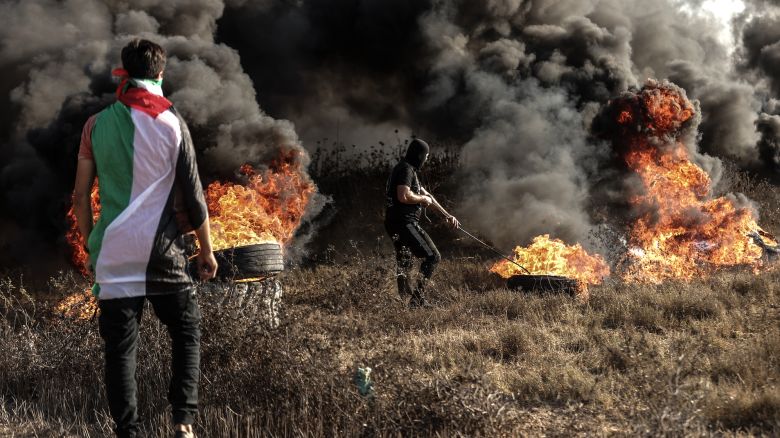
694,359
675,359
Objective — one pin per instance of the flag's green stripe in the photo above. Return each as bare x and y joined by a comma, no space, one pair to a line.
112,147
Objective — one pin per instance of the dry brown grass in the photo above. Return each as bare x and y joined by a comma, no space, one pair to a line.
674,359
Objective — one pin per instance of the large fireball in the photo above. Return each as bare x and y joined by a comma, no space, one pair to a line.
683,232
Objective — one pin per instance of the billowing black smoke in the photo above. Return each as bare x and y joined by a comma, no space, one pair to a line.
515,83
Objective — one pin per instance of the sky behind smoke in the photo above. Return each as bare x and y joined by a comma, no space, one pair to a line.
514,83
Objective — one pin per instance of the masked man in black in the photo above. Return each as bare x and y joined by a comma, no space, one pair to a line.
405,201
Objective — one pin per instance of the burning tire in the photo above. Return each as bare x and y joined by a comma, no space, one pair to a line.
248,262
543,284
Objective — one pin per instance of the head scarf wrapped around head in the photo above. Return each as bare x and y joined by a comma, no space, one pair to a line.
141,94
417,153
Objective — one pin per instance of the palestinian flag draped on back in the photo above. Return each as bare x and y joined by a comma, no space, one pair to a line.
147,173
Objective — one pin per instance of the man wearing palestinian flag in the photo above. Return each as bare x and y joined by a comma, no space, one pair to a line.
150,193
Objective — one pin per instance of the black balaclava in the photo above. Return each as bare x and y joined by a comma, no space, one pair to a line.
417,153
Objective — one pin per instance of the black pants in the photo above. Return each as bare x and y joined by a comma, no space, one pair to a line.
119,321
411,240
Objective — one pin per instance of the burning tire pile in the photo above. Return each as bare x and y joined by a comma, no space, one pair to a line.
251,221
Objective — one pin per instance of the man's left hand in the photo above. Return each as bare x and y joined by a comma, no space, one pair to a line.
207,265
453,222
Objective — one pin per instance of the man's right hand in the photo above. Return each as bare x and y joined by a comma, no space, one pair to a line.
426,200
207,265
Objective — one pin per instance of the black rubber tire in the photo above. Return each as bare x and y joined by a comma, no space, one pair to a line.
543,284
252,261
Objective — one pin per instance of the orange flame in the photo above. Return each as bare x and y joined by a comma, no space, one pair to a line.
79,256
268,208
666,107
547,256
683,232
81,305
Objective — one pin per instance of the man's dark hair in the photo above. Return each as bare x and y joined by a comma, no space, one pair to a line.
143,59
